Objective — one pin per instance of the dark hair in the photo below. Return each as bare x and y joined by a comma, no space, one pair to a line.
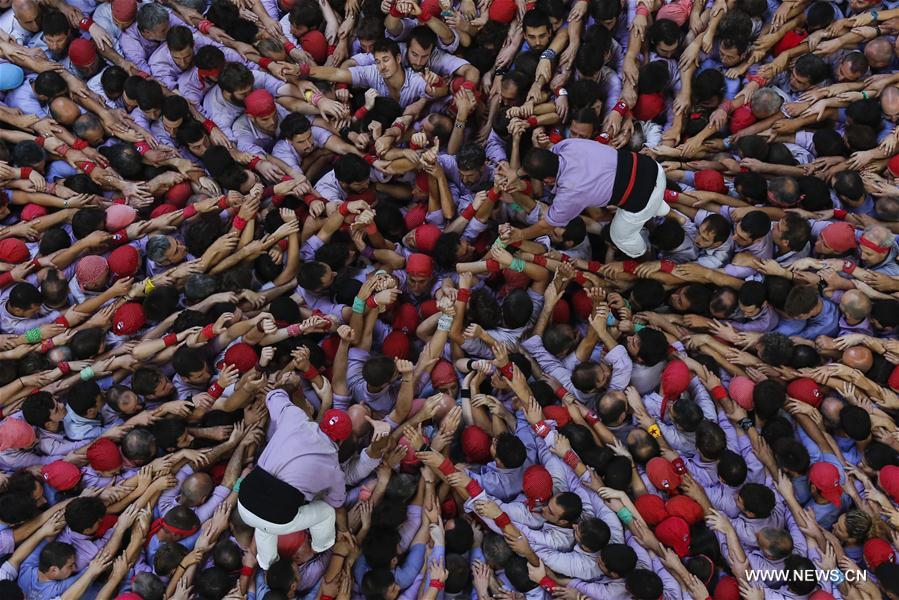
82,514
757,499
510,451
541,164
856,422
55,554
732,468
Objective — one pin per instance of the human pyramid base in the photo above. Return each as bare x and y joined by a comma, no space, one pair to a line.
495,299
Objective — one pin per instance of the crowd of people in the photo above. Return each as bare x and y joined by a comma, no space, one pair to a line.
339,299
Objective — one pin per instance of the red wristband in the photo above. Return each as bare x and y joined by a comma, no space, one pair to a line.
289,47
79,144
209,125
370,158
718,392
264,62
848,266
120,237
679,467
532,121
757,79
142,147
528,188
189,211
204,26
170,340
493,265
539,260
473,488
547,584
360,114
223,203
594,266
24,172
561,392
304,70
502,520
580,278
215,390
507,371
208,332
469,212
492,194
239,223
5,279
571,459
246,571
395,12
621,108
40,140
310,373
64,367
671,196
447,467
541,428
371,302
591,418
839,213
253,162
46,346
85,24
62,149
555,137
642,10
86,166
666,266
61,320
463,295
436,584
630,266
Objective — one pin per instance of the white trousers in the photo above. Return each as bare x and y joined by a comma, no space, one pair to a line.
318,517
626,226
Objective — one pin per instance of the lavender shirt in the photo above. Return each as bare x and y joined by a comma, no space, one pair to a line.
585,179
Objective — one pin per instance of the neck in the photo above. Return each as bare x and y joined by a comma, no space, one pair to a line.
396,80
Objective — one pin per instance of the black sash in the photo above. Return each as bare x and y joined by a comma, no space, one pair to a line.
635,180
269,498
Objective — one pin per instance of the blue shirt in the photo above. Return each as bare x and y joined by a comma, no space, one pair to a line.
33,588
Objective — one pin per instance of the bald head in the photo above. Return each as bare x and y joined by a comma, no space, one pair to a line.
830,408
196,488
879,53
358,413
855,305
858,357
776,543
64,110
28,14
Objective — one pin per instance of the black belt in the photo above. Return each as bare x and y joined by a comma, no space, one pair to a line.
635,180
269,498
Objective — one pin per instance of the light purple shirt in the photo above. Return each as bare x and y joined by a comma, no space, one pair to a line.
369,77
585,178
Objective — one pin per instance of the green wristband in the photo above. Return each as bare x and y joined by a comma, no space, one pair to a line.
237,483
638,327
499,242
516,207
33,336
625,515
517,265
358,305
86,374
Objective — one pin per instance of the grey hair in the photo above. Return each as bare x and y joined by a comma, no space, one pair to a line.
765,102
150,16
200,286
157,246
879,234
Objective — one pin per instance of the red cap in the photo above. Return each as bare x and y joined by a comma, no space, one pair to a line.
426,237
92,270
741,118
675,379
396,345
821,595
241,355
652,508
336,424
806,390
430,8
893,166
428,308
61,475
124,261
789,41
889,481
476,445
878,551
163,209
582,304
422,182
128,319
728,588
82,52
514,281
708,180
740,390
315,44
329,346
674,533
893,381
826,479
259,103
178,194
420,264
33,211
840,237
415,216
289,544
104,455
662,475
537,484
443,373
16,434
119,216
124,10
686,508
13,250
502,11
649,106
562,312
559,414
405,318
